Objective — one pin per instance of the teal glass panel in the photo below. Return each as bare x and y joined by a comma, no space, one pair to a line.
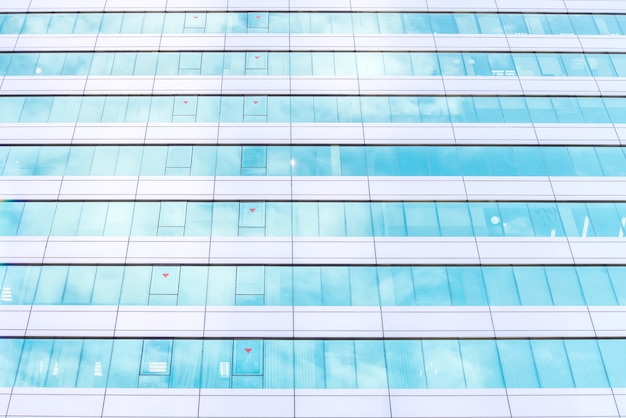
79,285
500,286
370,365
518,364
431,286
278,364
586,364
278,286
217,359
309,364
614,364
444,367
136,286
340,364
564,286
363,287
618,280
51,285
34,363
37,219
192,290
396,286
64,363
221,288
532,286
307,286
481,364
335,286
10,351
185,359
93,371
405,364
20,284
107,286
466,287
552,364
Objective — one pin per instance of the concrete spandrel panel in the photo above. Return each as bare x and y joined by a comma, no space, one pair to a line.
611,86
171,133
388,42
445,42
333,250
321,42
346,322
543,86
22,249
36,133
530,43
128,42
112,187
246,322
250,250
170,321
256,41
55,404
524,250
403,250
237,133
576,134
598,250
349,405
136,5
401,85
572,405
192,42
329,188
157,405
417,188
557,6
602,44
52,42
246,188
492,134
455,404
43,85
31,188
72,322
477,86
597,6
509,188
86,249
408,133
598,188
324,85
542,321
119,85
165,188
461,5
255,85
168,250
327,133
236,403
109,133
69,5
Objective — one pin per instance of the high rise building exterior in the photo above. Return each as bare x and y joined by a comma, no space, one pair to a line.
296,208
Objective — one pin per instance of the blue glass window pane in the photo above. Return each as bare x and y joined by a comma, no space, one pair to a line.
585,161
532,286
217,358
153,161
37,218
278,364
94,364
461,110
307,286
332,219
516,220
466,287
388,219
11,109
10,214
454,219
64,363
593,111
416,23
79,285
51,285
552,364
20,284
309,364
340,364
618,280
514,110
481,364
500,286
396,286
34,363
576,220
370,364
586,364
136,286
108,285
186,359
335,286
404,109
567,110
413,161
605,220
305,216
10,351
405,364
36,109
364,286
278,219
443,23
564,286
501,161
518,364
546,220
443,161
431,286
612,160
421,219
486,219
444,368
92,219
541,110
474,161
488,110
375,109
193,286
278,286
614,364
221,289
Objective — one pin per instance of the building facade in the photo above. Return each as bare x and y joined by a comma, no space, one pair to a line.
312,208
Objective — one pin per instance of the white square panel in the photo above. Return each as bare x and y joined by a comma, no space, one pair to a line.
332,250
344,406
250,250
408,133
158,405
241,403
257,322
522,250
579,405
449,406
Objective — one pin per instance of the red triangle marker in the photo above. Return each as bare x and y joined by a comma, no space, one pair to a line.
195,17
248,350
252,209
165,274
257,16
255,101
185,101
256,57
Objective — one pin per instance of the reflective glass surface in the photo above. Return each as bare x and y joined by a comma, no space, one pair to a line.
312,286
317,160
312,364
310,109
